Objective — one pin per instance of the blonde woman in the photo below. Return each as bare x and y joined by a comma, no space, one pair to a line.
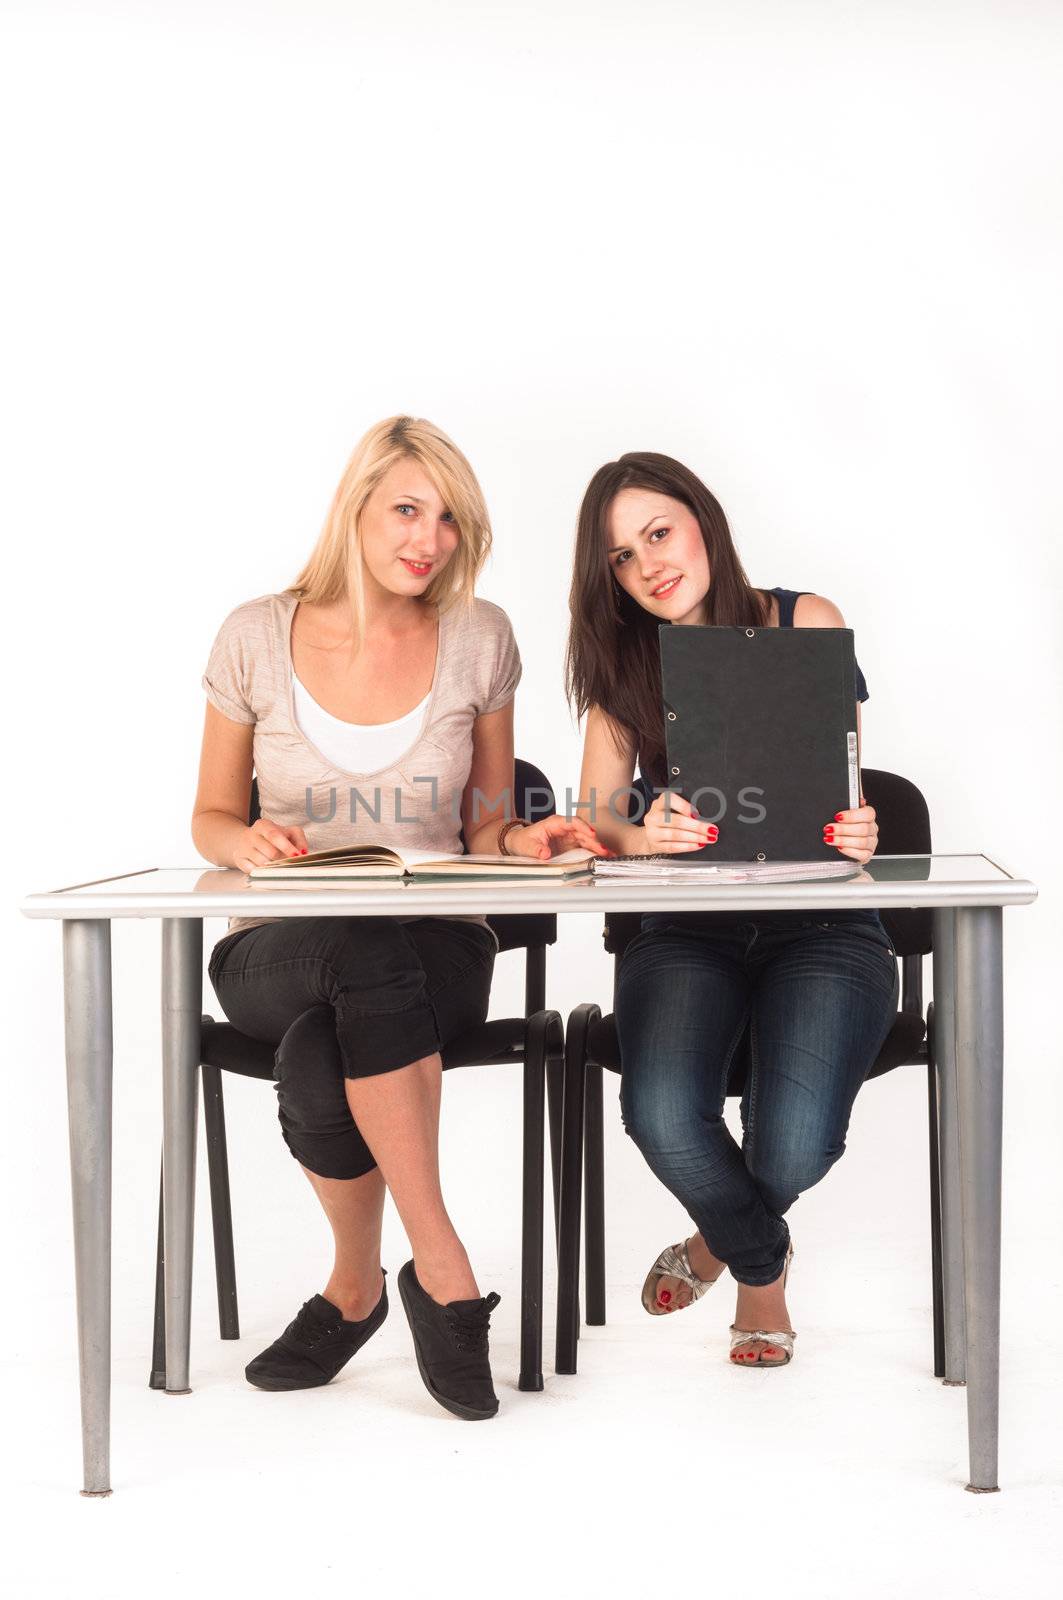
373,698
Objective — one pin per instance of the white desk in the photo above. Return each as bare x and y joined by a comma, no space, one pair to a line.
966,892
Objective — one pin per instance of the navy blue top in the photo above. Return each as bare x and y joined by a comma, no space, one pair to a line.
787,599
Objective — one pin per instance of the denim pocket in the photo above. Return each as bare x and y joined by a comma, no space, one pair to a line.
221,951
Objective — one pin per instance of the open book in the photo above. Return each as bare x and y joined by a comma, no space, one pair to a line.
673,869
378,861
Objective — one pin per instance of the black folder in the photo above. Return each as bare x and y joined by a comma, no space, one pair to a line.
761,734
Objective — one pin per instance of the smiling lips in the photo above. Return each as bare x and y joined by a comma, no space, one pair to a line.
665,589
418,568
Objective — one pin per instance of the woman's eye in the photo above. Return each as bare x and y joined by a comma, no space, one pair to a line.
404,507
448,516
622,557
656,531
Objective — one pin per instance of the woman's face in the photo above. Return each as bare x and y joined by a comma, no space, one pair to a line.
407,532
657,554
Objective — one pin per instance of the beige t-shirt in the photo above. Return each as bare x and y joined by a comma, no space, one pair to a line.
412,804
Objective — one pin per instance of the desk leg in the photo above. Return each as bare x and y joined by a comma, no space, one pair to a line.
89,1066
949,1144
182,1006
571,1202
980,1082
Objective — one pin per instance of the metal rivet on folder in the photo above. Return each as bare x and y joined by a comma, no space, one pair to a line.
749,633
760,855
675,772
671,716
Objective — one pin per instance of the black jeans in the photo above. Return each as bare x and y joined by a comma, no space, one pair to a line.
348,997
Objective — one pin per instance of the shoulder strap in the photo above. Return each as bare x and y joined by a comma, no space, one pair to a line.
788,599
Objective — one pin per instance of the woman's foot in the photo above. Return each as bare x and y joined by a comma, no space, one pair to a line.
445,1274
315,1345
354,1297
762,1306
672,1293
451,1345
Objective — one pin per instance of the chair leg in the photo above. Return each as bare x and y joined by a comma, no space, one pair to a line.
544,1036
555,1084
535,980
220,1203
535,1000
157,1380
936,1270
571,1186
594,1185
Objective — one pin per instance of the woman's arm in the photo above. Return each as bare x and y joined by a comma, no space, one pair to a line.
488,797
489,800
219,818
670,825
608,766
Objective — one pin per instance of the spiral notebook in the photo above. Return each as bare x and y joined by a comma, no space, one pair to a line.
694,869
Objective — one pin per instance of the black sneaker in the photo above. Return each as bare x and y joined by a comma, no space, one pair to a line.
450,1343
314,1347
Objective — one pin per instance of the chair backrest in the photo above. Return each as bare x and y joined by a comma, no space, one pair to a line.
533,799
623,926
904,830
534,794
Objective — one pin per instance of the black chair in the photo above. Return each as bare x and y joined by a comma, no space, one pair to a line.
534,1041
591,1044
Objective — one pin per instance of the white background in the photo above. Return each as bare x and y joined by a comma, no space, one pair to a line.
813,250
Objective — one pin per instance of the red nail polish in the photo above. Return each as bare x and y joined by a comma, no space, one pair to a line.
665,1296
838,815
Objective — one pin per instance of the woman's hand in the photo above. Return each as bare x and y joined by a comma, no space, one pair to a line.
672,825
854,833
265,841
552,836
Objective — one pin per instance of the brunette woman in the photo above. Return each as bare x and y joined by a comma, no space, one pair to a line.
809,999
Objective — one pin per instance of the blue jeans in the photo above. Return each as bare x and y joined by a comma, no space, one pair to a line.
792,1008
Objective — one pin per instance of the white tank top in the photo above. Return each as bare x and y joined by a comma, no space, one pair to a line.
352,746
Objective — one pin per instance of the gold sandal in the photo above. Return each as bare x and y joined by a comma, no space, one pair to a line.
780,1338
673,1262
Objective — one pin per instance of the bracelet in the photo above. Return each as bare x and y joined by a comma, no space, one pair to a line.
503,833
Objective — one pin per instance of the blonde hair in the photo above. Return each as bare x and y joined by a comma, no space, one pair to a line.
335,566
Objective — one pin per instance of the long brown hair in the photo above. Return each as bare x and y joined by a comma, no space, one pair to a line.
613,658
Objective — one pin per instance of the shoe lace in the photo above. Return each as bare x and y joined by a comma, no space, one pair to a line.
469,1325
310,1330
